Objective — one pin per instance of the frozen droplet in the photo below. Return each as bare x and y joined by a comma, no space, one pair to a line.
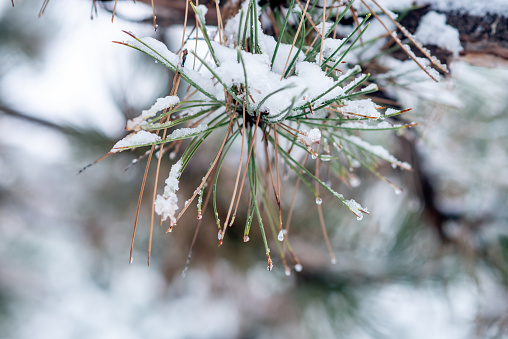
398,191
281,235
156,62
333,261
319,201
287,271
131,260
270,265
172,155
298,268
246,238
314,156
394,166
354,181
219,235
200,215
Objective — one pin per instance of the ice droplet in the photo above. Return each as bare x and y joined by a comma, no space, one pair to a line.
131,260
270,264
219,235
298,268
200,215
172,155
246,238
398,191
319,201
354,181
281,235
287,271
314,156
333,261
394,166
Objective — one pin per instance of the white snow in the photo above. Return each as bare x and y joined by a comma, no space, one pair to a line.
135,139
328,26
363,125
330,45
360,108
167,204
156,48
161,104
433,30
356,208
377,150
183,133
314,135
473,7
201,11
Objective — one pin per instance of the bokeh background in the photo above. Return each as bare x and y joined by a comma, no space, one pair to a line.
428,263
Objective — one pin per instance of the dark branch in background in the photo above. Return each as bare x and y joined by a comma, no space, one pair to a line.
169,12
479,35
484,38
88,135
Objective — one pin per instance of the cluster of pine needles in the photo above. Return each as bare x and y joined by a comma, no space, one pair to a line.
281,142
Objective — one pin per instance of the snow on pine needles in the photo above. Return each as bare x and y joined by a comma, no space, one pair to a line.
279,98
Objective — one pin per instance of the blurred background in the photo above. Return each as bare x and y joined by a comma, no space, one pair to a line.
428,263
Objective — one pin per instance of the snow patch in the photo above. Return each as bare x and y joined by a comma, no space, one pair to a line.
135,139
433,30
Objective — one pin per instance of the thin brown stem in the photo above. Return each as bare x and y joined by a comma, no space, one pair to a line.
207,173
244,174
296,37
397,40
141,191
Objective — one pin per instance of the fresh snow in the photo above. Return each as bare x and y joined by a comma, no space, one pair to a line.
377,150
360,108
161,104
363,125
433,30
182,133
167,204
472,7
314,135
356,208
135,139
